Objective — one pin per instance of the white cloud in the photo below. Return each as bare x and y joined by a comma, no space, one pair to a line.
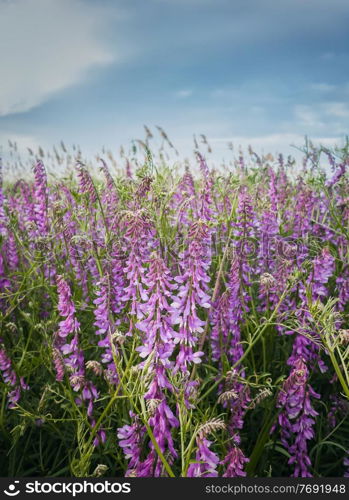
46,46
323,87
308,116
337,109
184,93
328,115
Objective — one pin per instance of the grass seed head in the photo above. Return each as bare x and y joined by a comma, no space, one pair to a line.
211,426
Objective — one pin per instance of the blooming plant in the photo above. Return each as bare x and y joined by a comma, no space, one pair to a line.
176,322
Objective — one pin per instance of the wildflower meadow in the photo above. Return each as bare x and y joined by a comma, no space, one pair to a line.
168,318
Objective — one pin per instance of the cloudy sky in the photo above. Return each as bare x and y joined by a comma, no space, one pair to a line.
93,72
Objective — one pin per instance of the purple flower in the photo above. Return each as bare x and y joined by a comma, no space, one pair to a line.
3,215
235,461
71,354
235,396
245,228
101,312
9,375
59,364
162,423
139,238
193,285
104,325
190,393
12,253
323,269
304,347
131,440
268,232
11,379
230,319
305,202
4,281
297,417
117,282
221,323
342,286
227,318
339,173
75,246
157,345
86,185
346,465
206,460
156,324
24,207
184,200
66,309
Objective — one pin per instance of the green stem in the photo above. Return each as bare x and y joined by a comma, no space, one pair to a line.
182,438
157,448
339,374
260,443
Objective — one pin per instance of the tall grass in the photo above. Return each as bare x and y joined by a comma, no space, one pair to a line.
175,323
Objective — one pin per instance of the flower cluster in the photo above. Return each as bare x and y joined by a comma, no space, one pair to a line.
11,379
192,294
297,418
175,318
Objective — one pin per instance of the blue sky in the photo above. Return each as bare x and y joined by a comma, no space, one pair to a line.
247,71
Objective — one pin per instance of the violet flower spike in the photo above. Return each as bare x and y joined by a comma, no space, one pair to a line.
193,287
11,379
297,418
235,461
66,309
207,460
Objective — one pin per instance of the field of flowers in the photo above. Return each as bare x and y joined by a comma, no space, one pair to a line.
175,322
